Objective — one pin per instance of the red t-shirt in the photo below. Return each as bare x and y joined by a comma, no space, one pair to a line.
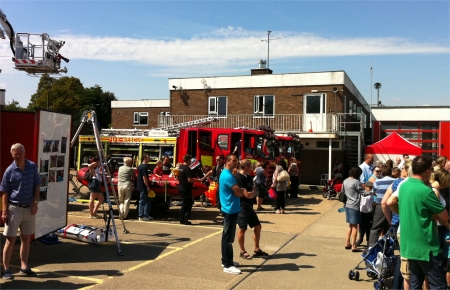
159,171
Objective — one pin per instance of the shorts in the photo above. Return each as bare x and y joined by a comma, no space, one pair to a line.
247,217
261,190
94,186
404,268
352,216
19,217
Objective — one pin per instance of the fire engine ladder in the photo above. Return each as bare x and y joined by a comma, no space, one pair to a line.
90,116
196,123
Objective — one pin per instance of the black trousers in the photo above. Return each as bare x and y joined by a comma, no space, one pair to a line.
365,224
379,223
295,180
186,207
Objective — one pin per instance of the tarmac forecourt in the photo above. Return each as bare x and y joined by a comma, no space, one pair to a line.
305,246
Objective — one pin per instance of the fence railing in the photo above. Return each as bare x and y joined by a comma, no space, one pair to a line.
281,123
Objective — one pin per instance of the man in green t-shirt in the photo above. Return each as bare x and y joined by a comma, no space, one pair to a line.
420,243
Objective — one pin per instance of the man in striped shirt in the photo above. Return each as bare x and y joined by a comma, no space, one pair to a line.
379,222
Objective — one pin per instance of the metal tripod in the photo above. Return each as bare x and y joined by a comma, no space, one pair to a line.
90,116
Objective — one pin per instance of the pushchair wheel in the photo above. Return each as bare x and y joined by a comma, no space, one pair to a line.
356,276
351,274
371,275
376,285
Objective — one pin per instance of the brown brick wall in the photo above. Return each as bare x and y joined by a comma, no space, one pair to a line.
288,100
123,117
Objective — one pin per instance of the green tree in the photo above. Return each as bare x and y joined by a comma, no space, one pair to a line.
68,95
14,106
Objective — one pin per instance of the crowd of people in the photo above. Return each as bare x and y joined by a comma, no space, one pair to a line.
411,194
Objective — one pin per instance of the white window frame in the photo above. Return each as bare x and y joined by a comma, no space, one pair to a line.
256,104
136,119
215,111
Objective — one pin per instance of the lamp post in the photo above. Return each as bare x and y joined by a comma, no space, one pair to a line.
377,86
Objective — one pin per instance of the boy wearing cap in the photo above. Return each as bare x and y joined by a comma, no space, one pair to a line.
366,210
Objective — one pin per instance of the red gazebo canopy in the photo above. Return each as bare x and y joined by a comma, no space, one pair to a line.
394,144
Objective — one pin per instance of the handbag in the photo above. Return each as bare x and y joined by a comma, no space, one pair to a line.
88,176
342,197
283,175
272,193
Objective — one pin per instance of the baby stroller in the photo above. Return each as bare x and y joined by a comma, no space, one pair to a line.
333,187
380,261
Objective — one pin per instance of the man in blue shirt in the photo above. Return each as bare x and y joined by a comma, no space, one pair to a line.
230,201
20,197
379,222
366,168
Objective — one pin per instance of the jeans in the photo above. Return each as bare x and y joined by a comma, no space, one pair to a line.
228,234
186,207
144,204
433,269
280,201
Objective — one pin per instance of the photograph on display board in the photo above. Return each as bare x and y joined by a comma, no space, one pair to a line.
55,145
53,161
43,194
44,180
63,144
60,161
52,176
60,176
44,166
47,146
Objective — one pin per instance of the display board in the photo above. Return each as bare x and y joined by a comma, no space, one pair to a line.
53,140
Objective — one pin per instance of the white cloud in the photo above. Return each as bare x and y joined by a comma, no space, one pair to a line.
223,46
226,47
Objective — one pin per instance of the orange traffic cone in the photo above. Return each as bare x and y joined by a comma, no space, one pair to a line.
310,126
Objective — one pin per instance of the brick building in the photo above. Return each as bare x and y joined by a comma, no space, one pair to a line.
324,108
141,114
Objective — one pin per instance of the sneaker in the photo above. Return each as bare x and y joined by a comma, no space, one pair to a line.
282,211
277,211
146,219
232,270
27,272
7,275
95,216
236,264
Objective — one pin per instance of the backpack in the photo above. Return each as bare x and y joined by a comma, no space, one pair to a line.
283,175
88,175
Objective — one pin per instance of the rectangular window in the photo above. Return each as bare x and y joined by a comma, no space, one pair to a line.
217,106
140,119
264,105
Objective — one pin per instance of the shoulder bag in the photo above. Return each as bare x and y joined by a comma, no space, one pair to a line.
283,175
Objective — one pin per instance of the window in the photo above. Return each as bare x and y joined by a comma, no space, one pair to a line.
264,105
217,106
140,118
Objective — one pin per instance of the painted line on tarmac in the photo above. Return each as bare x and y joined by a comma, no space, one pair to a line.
151,245
95,280
169,253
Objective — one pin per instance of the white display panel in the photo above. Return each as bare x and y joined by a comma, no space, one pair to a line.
53,166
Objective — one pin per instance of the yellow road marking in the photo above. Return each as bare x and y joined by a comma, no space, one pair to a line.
169,253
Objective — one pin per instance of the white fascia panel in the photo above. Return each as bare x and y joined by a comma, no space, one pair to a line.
141,104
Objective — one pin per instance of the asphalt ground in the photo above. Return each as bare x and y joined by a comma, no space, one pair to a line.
305,246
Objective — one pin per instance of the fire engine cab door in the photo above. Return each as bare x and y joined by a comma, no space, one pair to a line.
314,112
204,147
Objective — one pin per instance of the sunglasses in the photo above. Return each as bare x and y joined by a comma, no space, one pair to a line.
378,171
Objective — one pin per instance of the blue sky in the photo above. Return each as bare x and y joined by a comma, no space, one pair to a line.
132,48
